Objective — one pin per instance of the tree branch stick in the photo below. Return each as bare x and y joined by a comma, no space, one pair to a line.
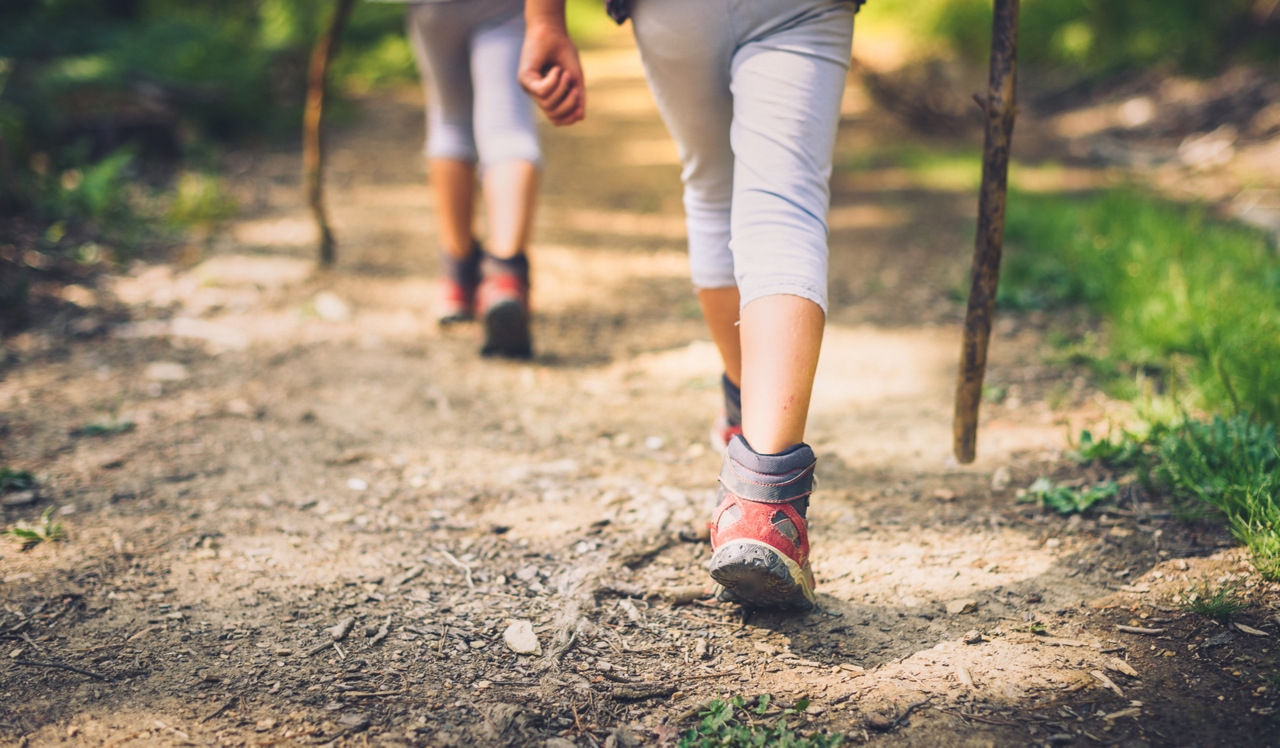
1000,109
313,119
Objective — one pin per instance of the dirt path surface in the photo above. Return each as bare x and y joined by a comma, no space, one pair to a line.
309,449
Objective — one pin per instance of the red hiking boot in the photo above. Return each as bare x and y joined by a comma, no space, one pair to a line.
459,281
729,423
759,533
503,300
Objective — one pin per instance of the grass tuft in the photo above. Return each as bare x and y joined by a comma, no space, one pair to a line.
1192,299
737,723
29,535
15,480
1219,603
1065,499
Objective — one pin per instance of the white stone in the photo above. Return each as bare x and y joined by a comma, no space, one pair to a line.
519,638
165,371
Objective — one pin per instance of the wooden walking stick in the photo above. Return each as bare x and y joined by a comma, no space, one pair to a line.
313,118
1000,109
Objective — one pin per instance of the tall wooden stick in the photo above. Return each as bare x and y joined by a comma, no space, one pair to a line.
1000,109
313,118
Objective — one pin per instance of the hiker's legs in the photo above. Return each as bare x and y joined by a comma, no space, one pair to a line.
467,54
687,49
787,83
506,136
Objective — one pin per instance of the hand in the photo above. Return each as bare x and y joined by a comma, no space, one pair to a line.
551,73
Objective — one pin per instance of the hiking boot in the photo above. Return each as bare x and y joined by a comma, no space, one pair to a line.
759,533
459,281
729,423
503,300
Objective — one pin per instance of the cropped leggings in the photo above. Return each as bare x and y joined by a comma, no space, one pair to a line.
750,90
468,52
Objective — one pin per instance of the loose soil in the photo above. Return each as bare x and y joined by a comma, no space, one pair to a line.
309,448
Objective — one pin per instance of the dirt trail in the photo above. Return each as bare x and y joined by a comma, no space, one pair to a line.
309,447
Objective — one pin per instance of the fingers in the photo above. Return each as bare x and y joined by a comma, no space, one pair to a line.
559,94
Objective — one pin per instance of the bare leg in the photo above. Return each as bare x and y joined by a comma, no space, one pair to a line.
720,310
781,336
453,185
511,192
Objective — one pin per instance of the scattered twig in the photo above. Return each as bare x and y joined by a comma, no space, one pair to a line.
1140,630
382,632
976,718
64,666
1104,680
453,560
225,706
640,691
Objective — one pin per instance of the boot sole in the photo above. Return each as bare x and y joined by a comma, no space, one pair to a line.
753,573
506,331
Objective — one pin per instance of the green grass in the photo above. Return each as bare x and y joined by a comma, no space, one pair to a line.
737,723
1220,603
29,535
1224,468
1067,499
15,480
1191,299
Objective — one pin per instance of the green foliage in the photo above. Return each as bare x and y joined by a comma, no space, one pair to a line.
1065,499
15,480
1119,450
1186,296
1222,465
28,535
199,199
109,427
1219,603
735,723
1099,37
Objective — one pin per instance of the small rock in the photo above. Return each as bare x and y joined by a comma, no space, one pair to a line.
21,498
622,737
330,307
1001,479
165,371
944,494
357,484
265,724
354,722
700,649
655,443
962,607
527,573
342,628
559,743
519,638
973,637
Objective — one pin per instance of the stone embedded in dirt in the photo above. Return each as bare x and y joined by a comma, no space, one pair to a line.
354,722
944,494
21,498
343,627
655,443
973,637
962,607
330,307
357,484
1001,479
519,638
527,573
165,371
622,737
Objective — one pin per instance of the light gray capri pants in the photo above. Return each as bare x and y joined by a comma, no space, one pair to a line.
468,52
750,90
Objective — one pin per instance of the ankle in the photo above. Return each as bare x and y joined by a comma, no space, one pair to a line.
515,266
